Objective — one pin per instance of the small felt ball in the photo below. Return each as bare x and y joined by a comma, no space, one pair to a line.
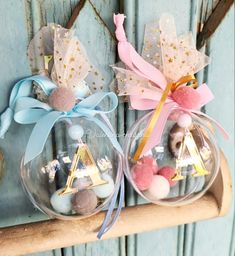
85,201
62,99
187,97
75,132
168,173
61,203
149,161
105,190
184,121
159,187
142,175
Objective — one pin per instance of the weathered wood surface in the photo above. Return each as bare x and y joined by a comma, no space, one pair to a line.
21,19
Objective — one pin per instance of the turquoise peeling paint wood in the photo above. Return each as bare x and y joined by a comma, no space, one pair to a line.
18,23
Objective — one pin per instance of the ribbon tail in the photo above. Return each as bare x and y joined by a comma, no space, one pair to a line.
6,119
40,134
108,222
156,135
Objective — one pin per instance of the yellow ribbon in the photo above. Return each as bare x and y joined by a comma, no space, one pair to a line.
172,86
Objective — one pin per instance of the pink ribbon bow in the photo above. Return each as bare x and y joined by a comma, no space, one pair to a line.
150,96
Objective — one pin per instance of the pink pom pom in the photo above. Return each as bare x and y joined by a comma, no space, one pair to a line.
150,161
187,97
142,175
168,173
62,99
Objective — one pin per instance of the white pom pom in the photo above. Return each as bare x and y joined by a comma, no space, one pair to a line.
75,132
159,188
105,190
61,203
184,121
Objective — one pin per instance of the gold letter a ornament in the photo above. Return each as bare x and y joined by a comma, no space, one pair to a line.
84,155
196,160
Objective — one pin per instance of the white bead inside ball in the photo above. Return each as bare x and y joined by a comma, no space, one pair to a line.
75,132
159,188
61,203
184,121
105,190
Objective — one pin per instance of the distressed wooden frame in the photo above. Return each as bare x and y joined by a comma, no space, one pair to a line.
51,234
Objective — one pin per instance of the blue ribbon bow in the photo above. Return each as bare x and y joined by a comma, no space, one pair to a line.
27,110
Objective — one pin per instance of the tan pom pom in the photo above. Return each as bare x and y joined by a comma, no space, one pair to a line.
62,99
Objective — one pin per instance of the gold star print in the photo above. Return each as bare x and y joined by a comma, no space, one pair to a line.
187,53
72,59
170,60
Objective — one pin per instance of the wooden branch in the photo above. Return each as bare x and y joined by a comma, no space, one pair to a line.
75,13
213,21
47,235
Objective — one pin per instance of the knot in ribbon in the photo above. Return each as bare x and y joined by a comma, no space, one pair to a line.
120,33
172,86
155,91
28,110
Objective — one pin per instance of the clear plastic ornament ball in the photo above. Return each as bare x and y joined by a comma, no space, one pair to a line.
77,173
179,169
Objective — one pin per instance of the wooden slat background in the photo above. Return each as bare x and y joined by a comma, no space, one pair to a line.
20,19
